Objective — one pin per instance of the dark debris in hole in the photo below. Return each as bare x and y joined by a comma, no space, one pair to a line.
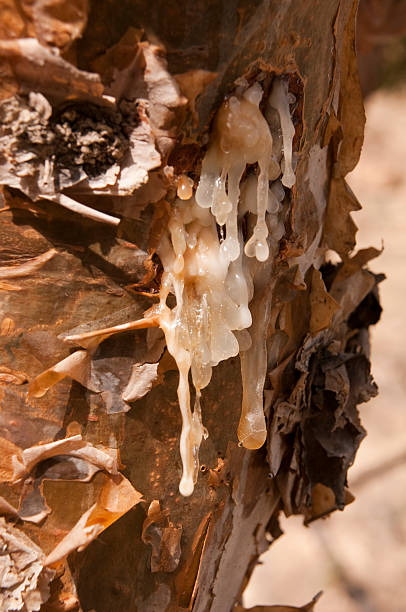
88,137
81,136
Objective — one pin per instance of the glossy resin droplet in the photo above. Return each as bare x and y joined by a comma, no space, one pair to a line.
241,136
185,187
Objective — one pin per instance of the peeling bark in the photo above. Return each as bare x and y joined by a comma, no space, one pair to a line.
155,78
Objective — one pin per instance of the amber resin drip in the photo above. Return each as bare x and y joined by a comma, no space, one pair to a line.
212,278
212,298
241,136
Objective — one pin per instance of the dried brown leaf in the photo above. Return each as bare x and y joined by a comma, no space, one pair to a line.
318,417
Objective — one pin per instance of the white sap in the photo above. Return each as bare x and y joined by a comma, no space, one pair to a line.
211,278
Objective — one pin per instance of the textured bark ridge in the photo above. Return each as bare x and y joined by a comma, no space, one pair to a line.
107,113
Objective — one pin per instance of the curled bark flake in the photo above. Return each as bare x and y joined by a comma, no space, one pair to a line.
86,211
53,22
331,375
57,22
7,509
9,376
324,501
116,498
8,450
42,69
24,579
73,446
88,367
87,338
27,268
306,608
322,305
164,538
33,507
192,83
340,228
141,381
76,365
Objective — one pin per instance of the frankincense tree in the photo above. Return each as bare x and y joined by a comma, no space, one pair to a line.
181,360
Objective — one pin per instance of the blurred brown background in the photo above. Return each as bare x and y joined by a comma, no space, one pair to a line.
358,557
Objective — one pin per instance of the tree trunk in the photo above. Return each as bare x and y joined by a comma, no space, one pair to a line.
168,67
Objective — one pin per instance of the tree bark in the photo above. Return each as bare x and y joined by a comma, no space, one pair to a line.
178,62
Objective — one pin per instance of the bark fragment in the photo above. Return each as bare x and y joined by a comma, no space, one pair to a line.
24,577
73,446
164,538
141,381
307,608
53,22
117,497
